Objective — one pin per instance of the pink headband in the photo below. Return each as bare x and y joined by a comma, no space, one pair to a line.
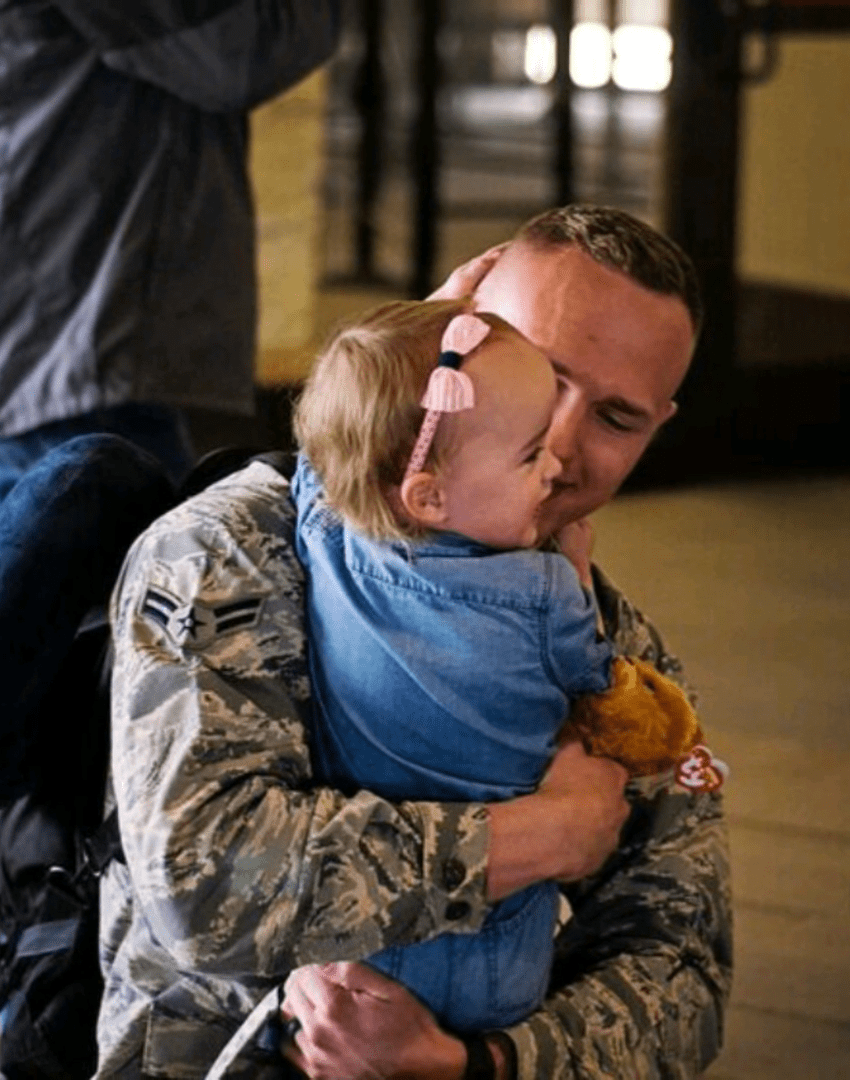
448,390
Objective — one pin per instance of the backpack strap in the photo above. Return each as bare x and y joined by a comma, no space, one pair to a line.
225,460
103,845
283,461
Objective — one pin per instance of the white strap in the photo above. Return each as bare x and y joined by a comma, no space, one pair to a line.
246,1032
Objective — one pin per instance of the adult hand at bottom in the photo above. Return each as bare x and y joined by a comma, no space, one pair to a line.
358,1025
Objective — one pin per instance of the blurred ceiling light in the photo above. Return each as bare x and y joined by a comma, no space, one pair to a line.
642,58
590,55
541,54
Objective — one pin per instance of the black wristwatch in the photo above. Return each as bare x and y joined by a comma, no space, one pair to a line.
479,1061
479,1058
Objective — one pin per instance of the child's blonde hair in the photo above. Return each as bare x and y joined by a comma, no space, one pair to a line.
359,413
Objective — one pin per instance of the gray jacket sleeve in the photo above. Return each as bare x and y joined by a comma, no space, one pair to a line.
237,863
643,969
216,54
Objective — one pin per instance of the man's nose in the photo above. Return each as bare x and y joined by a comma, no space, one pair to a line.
564,430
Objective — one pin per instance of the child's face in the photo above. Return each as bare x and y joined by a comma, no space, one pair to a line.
500,470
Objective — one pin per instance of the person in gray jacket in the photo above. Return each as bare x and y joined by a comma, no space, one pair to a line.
126,218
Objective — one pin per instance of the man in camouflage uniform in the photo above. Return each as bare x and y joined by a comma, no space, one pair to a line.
238,870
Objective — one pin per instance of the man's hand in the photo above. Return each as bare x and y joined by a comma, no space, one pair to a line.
358,1025
466,278
564,831
576,542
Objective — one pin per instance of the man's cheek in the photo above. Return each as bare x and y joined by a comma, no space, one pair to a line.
627,465
612,464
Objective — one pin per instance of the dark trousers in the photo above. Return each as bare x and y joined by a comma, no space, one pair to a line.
65,527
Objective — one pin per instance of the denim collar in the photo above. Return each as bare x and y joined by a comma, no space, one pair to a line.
444,545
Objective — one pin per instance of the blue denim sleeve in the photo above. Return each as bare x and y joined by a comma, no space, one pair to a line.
305,487
579,658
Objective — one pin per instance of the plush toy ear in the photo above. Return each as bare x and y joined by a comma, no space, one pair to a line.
423,499
644,721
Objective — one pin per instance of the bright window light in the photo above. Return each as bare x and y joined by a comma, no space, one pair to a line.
541,54
642,58
590,55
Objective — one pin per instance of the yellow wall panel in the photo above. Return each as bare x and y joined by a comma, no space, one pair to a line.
286,162
795,168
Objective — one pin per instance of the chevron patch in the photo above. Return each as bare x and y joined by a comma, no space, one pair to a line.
195,625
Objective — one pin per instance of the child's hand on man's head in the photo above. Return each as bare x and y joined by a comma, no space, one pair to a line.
465,279
576,542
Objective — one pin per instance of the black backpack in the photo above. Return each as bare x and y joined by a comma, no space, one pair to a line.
53,841
52,849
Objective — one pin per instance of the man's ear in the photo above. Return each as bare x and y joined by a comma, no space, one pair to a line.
423,499
670,410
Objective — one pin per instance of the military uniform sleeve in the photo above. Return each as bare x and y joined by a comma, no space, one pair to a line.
643,969
240,867
215,54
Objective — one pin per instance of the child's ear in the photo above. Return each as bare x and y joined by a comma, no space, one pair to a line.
423,499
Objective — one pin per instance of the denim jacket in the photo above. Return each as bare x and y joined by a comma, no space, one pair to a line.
440,669
443,669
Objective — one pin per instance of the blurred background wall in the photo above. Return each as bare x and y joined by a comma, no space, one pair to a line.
441,125
795,168
287,164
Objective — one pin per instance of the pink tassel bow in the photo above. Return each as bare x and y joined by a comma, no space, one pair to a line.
448,390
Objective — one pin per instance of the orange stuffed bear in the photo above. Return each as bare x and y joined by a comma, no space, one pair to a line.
646,722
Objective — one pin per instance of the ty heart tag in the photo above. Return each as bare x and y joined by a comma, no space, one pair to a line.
701,770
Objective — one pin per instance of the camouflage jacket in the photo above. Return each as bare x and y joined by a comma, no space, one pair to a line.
237,869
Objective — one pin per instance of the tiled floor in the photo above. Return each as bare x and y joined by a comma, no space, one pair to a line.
750,586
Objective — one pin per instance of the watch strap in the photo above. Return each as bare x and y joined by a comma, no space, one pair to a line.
479,1061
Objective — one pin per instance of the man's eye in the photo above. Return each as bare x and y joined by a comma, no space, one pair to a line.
534,455
615,421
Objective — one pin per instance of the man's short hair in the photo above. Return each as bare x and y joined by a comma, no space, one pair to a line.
620,241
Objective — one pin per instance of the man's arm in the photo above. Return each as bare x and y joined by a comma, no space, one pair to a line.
216,54
239,864
563,831
639,986
642,971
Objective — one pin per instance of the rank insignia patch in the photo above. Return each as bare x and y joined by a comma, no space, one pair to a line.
195,625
